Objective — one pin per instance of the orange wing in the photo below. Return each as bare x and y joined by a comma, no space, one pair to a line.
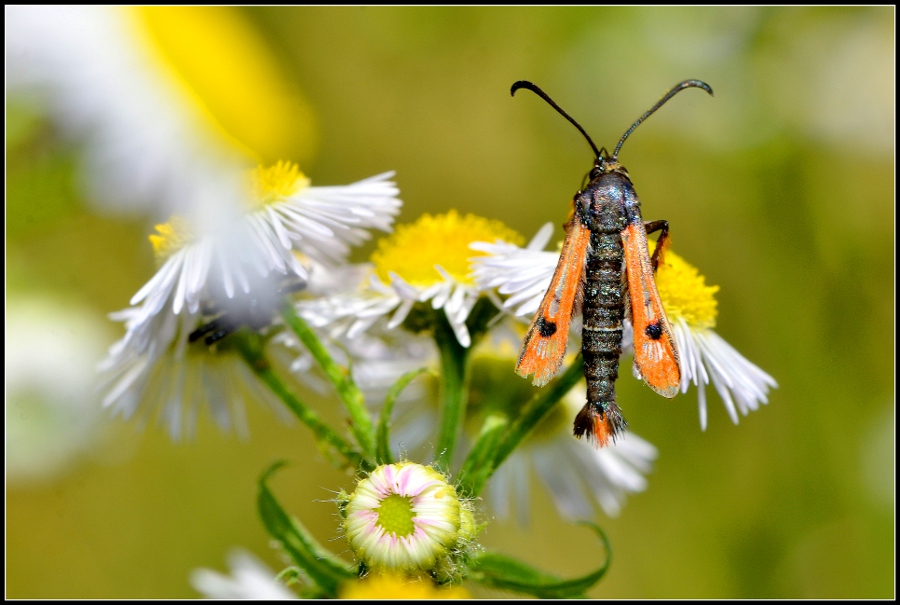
655,353
545,344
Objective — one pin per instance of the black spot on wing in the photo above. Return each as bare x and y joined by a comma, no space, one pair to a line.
546,328
654,330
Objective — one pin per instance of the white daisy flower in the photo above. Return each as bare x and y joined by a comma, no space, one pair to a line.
424,262
516,271
704,355
249,579
154,368
525,273
405,517
166,101
243,278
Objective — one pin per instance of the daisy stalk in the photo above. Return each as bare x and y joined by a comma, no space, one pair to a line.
454,391
251,349
360,422
455,373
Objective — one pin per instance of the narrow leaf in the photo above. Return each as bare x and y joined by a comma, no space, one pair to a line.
382,444
506,573
479,463
323,567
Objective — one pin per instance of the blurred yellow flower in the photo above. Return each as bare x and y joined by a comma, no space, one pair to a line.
392,586
225,67
168,103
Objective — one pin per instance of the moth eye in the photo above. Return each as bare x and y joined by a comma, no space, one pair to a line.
654,330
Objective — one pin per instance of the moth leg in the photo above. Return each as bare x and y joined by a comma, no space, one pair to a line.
205,329
213,331
662,243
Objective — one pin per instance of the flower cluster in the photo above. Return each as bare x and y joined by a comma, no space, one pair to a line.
254,290
405,518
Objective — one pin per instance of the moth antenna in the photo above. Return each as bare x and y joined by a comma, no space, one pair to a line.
534,88
675,90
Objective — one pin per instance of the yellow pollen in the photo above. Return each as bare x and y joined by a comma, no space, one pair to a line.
684,292
413,250
170,237
276,182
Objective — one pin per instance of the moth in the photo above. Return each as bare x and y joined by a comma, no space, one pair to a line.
605,268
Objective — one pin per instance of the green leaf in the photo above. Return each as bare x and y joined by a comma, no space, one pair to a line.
382,444
536,409
479,463
322,566
506,573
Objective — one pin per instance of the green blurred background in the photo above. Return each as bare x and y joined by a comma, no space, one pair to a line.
780,189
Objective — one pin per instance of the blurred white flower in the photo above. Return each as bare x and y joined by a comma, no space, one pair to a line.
167,102
242,276
525,273
52,416
249,579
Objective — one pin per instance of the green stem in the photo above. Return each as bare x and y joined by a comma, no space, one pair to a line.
360,422
535,410
253,354
454,390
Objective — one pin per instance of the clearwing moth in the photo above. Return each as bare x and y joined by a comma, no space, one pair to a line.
605,238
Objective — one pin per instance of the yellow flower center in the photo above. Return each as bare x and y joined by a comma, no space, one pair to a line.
413,250
226,72
170,237
684,292
276,182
